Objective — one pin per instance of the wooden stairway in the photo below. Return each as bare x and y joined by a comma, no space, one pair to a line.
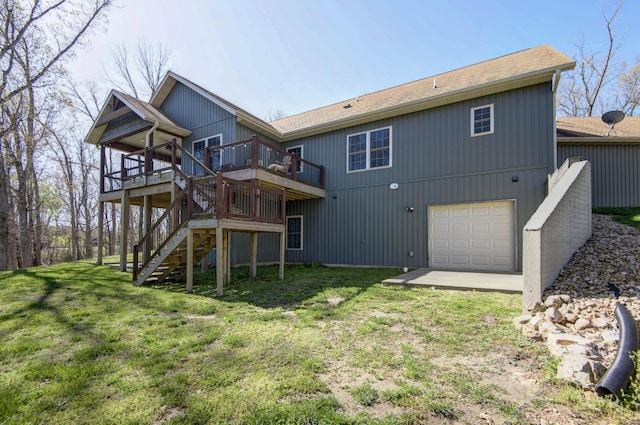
170,263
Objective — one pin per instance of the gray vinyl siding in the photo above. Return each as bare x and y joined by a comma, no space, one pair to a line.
615,171
434,161
127,124
194,112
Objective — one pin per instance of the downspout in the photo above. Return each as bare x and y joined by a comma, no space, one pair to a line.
616,379
149,133
556,83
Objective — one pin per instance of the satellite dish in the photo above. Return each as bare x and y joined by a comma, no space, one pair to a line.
612,118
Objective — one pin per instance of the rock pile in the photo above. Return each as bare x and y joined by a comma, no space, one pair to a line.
576,317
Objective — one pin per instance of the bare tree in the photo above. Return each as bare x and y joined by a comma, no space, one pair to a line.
143,79
628,96
275,115
582,89
35,36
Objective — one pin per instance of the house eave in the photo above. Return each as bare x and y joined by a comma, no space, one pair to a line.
596,140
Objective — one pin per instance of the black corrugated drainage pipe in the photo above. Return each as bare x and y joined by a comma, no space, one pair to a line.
616,379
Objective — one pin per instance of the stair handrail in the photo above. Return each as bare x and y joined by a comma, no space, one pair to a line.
196,161
186,192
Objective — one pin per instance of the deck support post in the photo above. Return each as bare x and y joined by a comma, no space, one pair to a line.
146,225
220,254
125,205
227,259
100,231
281,270
189,260
253,261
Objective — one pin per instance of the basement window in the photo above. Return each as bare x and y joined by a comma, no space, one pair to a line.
482,120
294,232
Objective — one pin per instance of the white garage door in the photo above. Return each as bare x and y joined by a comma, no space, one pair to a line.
472,236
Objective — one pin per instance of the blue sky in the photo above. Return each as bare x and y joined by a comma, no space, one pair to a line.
299,55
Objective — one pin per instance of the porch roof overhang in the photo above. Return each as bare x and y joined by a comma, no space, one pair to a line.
120,105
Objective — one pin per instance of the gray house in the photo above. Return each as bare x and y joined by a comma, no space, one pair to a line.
614,154
441,172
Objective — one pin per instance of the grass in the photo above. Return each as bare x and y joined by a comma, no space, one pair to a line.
81,345
624,215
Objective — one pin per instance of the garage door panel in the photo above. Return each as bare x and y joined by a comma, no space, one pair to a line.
503,261
473,236
479,260
460,228
460,244
441,243
459,212
460,260
480,244
480,211
481,227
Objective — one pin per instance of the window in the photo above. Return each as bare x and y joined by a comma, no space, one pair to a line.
482,120
371,149
210,142
294,232
297,151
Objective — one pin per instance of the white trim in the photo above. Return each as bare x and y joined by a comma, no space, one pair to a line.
301,155
368,149
286,244
205,144
475,108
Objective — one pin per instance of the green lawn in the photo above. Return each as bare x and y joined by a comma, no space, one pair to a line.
81,345
624,215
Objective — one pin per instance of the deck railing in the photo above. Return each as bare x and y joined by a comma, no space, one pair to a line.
211,196
255,153
246,199
250,153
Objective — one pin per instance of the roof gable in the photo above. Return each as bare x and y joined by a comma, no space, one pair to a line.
119,104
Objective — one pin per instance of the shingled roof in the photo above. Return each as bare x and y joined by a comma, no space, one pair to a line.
519,69
594,127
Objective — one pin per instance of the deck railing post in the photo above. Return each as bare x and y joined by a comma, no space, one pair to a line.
174,154
102,165
294,165
254,152
255,195
283,205
322,176
190,199
123,170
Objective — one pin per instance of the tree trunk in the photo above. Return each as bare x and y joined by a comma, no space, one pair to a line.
4,207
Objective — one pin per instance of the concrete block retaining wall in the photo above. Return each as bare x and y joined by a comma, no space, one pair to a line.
558,228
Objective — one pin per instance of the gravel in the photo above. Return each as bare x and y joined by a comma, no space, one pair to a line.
606,267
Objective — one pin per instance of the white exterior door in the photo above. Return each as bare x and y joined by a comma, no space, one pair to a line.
473,236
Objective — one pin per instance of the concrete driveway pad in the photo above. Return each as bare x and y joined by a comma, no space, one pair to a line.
502,282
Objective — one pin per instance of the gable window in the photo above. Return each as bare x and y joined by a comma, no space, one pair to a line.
297,151
482,120
210,142
368,150
294,232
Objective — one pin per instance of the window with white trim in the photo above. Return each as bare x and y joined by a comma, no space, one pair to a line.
294,232
209,142
369,150
482,120
297,151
